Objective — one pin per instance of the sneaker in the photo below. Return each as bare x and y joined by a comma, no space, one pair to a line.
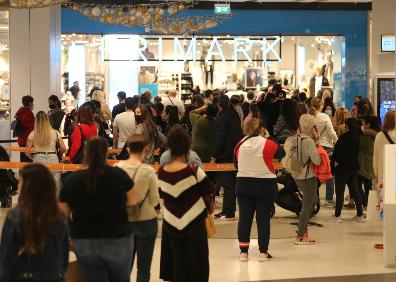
263,257
335,219
349,205
243,257
223,217
359,219
329,203
303,241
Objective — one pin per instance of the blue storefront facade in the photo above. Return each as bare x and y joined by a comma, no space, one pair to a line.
352,25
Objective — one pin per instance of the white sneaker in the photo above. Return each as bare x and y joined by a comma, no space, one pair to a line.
335,219
359,219
263,257
243,257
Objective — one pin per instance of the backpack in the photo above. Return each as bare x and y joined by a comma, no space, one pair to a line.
17,127
323,171
292,161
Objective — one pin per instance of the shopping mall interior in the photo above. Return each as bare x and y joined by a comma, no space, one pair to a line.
340,53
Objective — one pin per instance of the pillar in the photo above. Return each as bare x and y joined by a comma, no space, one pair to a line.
35,55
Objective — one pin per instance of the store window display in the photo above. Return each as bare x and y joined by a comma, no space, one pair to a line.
317,82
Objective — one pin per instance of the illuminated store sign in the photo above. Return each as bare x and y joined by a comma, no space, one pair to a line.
210,49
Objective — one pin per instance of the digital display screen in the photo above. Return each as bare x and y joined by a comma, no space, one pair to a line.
386,96
388,43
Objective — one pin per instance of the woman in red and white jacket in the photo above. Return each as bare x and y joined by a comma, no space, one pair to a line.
256,186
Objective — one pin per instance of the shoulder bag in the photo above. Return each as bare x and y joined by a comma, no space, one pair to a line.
388,137
209,220
134,212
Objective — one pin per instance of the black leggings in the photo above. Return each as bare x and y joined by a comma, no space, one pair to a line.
341,180
367,184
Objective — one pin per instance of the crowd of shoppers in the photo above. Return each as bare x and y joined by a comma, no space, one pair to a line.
112,211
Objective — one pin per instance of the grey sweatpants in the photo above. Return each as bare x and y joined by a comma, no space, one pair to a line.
308,189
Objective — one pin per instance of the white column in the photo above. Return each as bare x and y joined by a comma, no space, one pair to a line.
35,55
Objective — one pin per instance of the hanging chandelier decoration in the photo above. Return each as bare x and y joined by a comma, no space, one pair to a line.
130,15
162,17
187,25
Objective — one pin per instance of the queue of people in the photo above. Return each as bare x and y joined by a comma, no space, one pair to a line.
110,213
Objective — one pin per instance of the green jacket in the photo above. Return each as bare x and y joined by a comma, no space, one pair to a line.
202,135
366,151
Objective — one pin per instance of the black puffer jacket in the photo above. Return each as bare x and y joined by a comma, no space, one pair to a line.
227,133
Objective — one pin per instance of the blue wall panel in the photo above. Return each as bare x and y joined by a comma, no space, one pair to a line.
353,25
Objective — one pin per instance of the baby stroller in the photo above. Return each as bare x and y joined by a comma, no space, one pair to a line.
289,197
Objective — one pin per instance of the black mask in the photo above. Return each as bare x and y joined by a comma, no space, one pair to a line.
138,118
52,106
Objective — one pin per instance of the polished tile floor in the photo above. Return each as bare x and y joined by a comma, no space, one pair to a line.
345,249
342,250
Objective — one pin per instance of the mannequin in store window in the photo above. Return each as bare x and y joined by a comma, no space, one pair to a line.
328,69
317,82
208,68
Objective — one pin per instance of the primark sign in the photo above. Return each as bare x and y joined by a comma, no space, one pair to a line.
199,49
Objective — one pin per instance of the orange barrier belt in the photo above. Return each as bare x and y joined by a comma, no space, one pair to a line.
23,149
73,167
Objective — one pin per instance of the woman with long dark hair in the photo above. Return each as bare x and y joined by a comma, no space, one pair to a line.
346,166
145,126
184,189
35,237
97,198
287,123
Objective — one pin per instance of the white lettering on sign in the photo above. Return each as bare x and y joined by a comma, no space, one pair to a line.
267,48
241,46
142,48
238,48
219,52
192,48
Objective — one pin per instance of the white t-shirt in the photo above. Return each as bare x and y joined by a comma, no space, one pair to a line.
173,102
51,147
126,124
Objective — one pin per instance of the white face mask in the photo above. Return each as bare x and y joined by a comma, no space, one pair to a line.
329,113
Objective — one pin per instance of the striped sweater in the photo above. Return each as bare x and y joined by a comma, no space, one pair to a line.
183,193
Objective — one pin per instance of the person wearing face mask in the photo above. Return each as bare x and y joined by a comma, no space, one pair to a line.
307,140
56,115
145,126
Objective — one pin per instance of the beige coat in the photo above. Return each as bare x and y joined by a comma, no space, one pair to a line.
378,157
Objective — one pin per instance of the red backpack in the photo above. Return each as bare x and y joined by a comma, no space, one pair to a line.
323,171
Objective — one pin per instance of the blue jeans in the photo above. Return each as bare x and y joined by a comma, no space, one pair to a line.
330,182
105,260
144,233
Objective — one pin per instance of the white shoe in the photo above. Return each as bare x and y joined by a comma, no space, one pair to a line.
335,219
243,257
263,257
359,219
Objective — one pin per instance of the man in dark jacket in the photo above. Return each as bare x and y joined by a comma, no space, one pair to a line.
26,118
227,133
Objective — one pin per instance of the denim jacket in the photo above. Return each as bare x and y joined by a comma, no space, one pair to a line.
17,265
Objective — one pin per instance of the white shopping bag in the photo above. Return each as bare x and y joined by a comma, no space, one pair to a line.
373,211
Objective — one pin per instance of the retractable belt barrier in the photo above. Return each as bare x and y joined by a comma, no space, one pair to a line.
72,167
23,149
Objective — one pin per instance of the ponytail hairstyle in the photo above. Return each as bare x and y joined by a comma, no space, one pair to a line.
316,105
253,127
